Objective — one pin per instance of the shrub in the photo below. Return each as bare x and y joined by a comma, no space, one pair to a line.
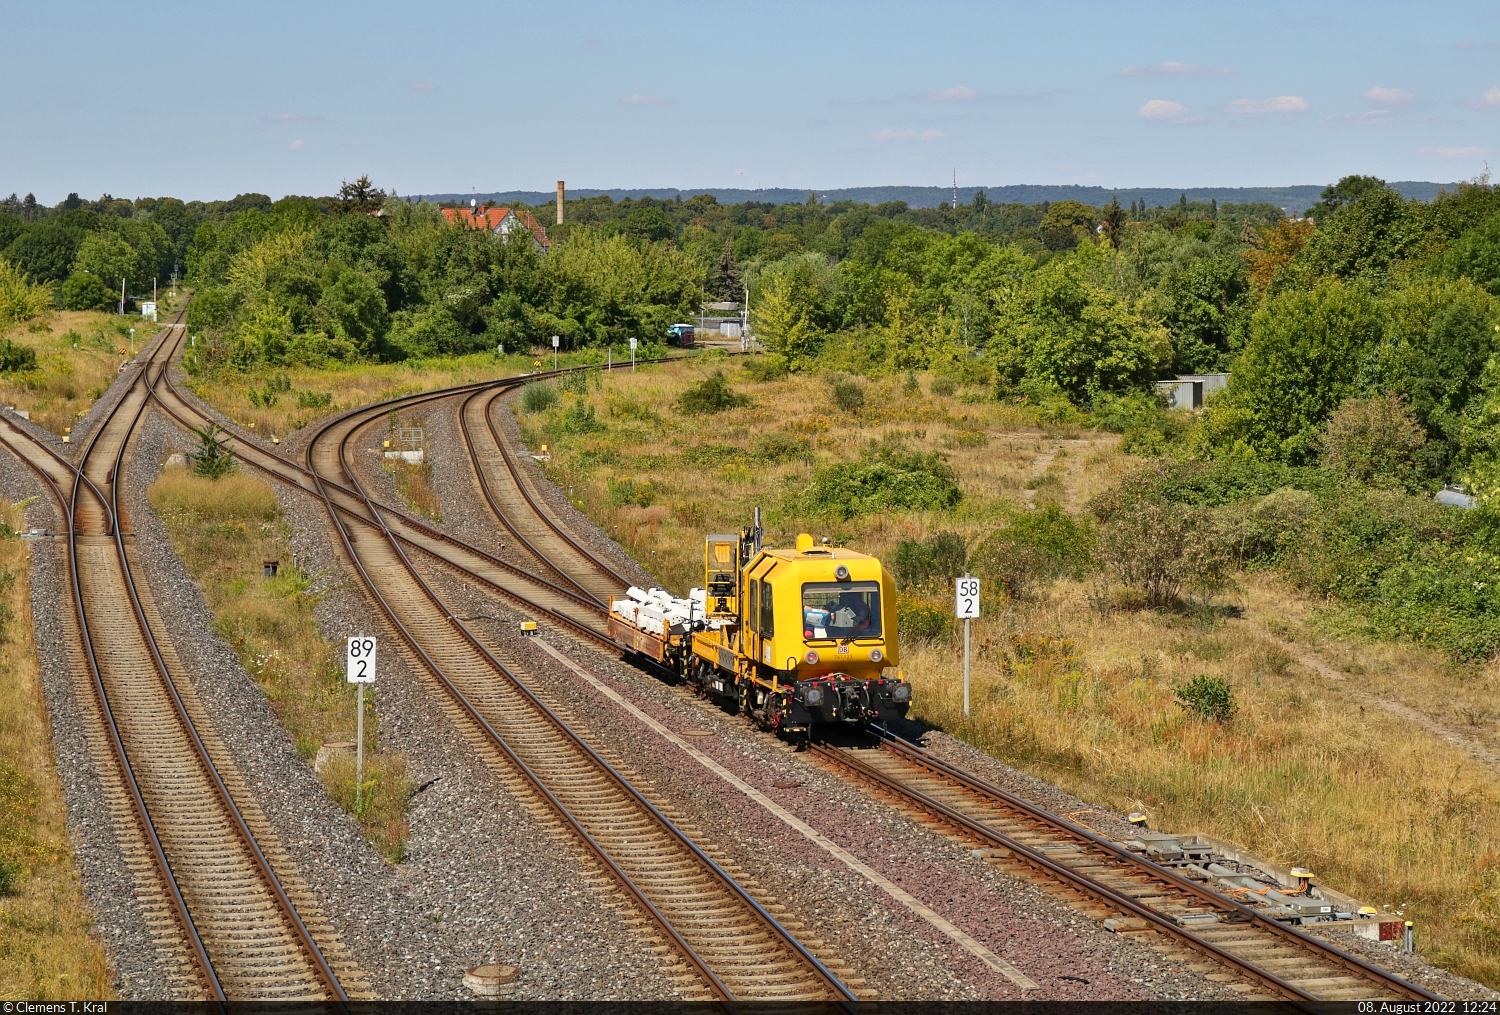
1373,439
883,479
10,874
313,400
20,299
629,408
538,396
209,459
1159,550
1035,548
919,619
775,448
15,358
765,369
710,395
920,563
910,387
628,491
848,394
1208,698
85,291
578,418
944,386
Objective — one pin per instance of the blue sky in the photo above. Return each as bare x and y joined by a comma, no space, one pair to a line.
207,100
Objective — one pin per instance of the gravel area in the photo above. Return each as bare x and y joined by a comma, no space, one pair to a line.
482,880
1387,955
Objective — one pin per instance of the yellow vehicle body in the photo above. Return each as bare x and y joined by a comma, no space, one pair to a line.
798,636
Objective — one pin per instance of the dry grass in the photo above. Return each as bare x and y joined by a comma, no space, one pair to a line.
47,950
223,530
347,387
78,358
1312,769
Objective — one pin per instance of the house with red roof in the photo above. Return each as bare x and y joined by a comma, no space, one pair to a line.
500,221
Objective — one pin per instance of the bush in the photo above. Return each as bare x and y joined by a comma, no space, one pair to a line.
577,419
313,400
628,491
538,396
21,299
83,291
765,369
14,357
884,479
919,619
1035,548
629,408
944,386
848,394
710,395
775,448
209,459
10,875
1159,550
919,563
1208,698
1373,440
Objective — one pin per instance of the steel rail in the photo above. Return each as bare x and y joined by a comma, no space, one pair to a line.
1036,858
545,516
659,919
263,866
117,746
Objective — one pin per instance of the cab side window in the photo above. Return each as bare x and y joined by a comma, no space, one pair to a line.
752,615
767,617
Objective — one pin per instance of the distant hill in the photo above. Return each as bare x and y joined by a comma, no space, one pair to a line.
1295,198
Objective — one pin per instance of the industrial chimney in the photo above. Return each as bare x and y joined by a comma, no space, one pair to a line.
559,202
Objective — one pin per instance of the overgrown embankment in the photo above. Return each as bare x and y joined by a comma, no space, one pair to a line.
47,951
224,530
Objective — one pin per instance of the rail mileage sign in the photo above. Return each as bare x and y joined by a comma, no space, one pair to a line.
361,668
966,599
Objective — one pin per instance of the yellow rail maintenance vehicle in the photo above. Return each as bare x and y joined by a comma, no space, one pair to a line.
798,637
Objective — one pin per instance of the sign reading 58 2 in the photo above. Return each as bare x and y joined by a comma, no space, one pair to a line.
966,598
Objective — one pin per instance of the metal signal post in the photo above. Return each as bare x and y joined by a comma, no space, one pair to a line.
966,608
360,671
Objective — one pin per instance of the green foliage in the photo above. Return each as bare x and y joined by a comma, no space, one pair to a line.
1159,550
883,478
1373,440
847,393
15,358
538,396
765,369
928,563
1301,362
211,459
1475,256
314,400
1210,699
1082,338
577,419
628,491
919,619
710,395
776,448
1033,549
944,386
21,300
83,291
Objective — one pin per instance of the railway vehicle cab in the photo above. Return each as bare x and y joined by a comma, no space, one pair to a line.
801,636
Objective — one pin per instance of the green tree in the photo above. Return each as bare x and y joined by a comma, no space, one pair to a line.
1301,362
1476,256
1114,221
1067,332
353,308
1065,223
83,291
1368,229
107,256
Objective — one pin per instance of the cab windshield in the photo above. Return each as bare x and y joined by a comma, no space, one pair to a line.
840,610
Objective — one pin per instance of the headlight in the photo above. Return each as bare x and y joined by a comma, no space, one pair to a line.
813,696
812,658
902,692
876,655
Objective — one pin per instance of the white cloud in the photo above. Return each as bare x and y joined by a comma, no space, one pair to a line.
1444,152
957,94
1280,104
1490,99
1162,109
1388,96
294,118
295,146
424,86
907,135
645,100
1172,68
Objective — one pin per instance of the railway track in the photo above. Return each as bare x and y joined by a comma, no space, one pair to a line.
1268,957
206,863
730,946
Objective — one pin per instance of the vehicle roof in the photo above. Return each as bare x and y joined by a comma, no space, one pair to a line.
816,553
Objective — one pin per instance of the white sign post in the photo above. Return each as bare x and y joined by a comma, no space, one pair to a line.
361,671
555,341
632,355
966,608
